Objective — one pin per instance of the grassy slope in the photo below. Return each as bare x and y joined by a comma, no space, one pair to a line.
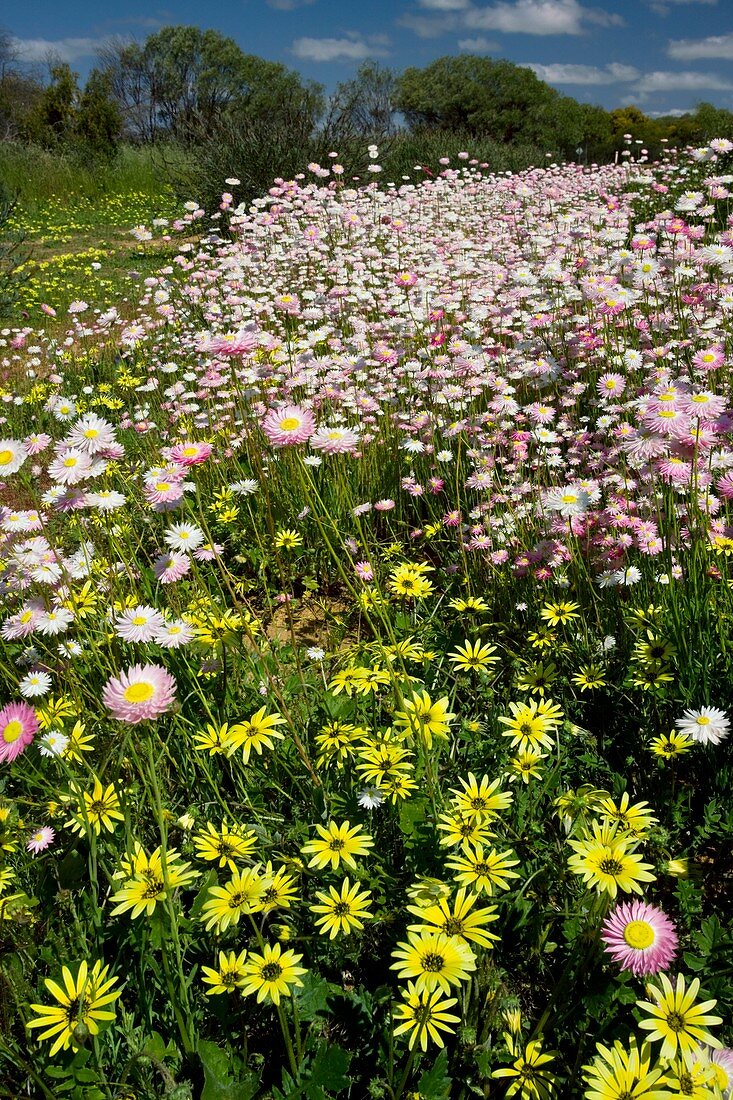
76,221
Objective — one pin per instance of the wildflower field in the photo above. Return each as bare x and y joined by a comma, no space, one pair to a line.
366,649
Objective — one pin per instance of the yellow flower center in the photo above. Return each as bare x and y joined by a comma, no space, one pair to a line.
162,486
289,424
12,731
190,451
91,433
639,934
70,461
139,693
6,457
139,620
702,720
569,498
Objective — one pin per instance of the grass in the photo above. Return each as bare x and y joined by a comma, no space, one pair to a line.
76,222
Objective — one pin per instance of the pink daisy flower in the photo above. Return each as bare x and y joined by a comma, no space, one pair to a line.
190,453
164,491
640,937
241,342
40,840
36,443
139,693
364,571
138,624
170,567
288,426
208,552
18,726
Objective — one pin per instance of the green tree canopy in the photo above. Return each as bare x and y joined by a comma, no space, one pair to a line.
98,122
183,80
51,121
479,96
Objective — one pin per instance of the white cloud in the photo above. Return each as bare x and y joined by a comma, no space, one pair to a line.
480,44
445,5
685,81
428,26
67,49
661,7
289,5
540,17
584,74
694,49
351,48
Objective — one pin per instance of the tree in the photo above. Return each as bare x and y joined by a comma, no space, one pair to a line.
19,90
365,105
479,96
51,121
713,122
131,87
183,81
98,121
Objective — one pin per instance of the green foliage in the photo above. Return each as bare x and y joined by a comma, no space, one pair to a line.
98,122
507,103
52,120
13,255
184,83
434,1083
222,1080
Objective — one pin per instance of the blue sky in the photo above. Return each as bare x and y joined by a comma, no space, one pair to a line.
664,55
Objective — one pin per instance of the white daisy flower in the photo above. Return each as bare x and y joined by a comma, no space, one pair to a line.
34,685
708,725
53,743
12,456
370,798
184,536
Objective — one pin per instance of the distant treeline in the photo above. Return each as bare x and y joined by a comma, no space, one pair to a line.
237,114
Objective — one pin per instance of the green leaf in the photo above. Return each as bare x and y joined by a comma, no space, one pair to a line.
413,812
434,1084
313,996
156,1047
218,1083
694,961
328,1071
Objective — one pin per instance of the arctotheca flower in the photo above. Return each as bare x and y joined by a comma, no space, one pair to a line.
532,1079
343,911
82,1004
616,1072
336,844
424,1014
675,1019
272,974
228,976
436,961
